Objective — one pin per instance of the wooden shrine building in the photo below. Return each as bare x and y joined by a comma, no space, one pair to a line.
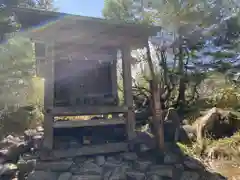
77,56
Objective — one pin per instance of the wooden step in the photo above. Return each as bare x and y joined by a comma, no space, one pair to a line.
85,123
86,150
91,110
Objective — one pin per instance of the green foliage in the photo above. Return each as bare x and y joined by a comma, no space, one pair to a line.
8,21
15,121
19,88
118,10
227,97
16,71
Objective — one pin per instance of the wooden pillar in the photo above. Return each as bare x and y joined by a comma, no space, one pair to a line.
158,120
114,79
48,97
114,76
127,87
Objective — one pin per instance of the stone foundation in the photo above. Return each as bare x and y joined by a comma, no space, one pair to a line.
23,163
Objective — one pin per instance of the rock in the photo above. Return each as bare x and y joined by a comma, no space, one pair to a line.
142,165
100,160
86,177
3,155
28,134
135,175
215,176
107,174
179,167
80,160
37,141
11,154
187,134
161,170
216,122
170,158
114,159
58,166
65,176
193,164
188,175
8,170
29,156
74,169
26,167
90,168
42,175
143,142
15,152
112,163
39,129
12,140
144,148
185,122
129,156
117,174
154,177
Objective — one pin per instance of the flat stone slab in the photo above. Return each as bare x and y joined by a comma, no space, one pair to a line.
161,170
57,166
188,175
42,175
86,177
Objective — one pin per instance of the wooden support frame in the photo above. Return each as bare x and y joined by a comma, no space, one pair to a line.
94,35
50,111
48,97
157,115
127,85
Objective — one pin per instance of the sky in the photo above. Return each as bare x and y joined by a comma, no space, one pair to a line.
92,8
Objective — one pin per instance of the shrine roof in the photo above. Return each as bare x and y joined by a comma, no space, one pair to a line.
70,29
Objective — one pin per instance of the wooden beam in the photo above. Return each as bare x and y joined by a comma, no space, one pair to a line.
87,110
87,150
127,85
85,123
48,97
93,52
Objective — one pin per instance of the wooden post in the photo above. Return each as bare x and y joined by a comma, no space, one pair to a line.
156,103
158,120
157,115
114,76
48,97
114,79
127,86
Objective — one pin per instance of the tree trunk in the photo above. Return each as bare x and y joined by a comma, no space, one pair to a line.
182,85
156,104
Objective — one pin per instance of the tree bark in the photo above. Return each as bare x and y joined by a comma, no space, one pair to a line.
156,104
